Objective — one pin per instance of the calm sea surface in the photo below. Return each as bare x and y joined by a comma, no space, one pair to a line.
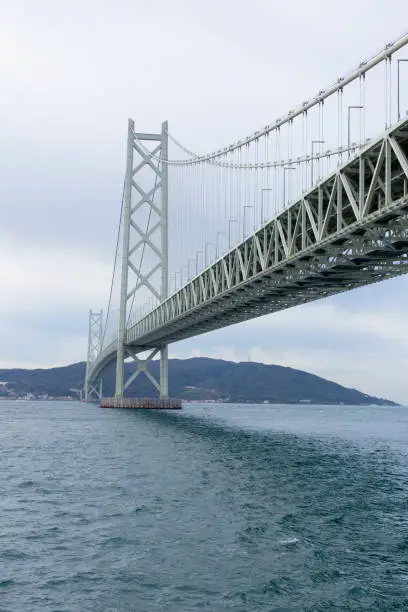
228,507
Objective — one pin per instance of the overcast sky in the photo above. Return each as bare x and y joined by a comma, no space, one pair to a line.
71,75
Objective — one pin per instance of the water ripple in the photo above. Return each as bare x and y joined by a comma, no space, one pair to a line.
234,508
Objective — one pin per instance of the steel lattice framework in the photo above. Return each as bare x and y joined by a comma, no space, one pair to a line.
95,335
348,231
137,239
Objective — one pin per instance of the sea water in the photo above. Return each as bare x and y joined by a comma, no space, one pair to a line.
216,507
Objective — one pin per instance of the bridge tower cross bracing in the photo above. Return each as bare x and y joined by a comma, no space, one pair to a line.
137,239
95,338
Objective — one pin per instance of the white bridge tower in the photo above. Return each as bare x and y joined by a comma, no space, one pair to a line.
145,241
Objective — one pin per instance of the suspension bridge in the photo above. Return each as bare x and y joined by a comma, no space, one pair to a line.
313,204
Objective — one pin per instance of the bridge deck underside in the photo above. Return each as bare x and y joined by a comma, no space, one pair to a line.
310,278
350,230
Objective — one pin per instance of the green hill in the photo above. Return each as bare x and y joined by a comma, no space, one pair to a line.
200,379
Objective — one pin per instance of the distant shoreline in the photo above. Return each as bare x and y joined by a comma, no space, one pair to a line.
199,379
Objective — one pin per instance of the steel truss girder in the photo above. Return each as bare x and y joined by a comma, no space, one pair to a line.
348,204
350,230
